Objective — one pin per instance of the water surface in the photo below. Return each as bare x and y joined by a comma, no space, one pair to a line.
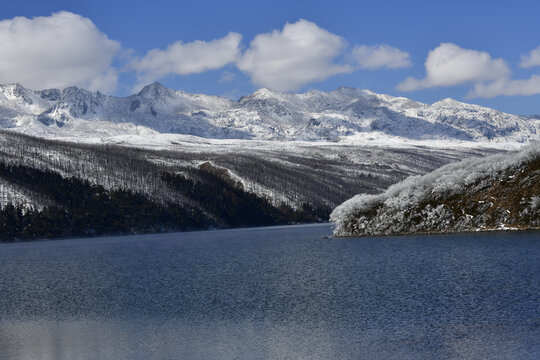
272,293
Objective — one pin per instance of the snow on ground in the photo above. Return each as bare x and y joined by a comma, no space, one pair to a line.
449,180
345,115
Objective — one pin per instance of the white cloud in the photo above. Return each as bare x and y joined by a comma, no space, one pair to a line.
523,87
299,54
188,58
380,56
449,65
57,51
532,59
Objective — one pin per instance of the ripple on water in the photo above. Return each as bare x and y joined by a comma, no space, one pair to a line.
283,292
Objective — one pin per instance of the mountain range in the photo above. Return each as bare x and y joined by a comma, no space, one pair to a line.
343,115
79,163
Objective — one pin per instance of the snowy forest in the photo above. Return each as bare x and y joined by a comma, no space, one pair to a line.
498,192
51,188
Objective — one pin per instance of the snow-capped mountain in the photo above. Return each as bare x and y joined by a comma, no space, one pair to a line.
343,114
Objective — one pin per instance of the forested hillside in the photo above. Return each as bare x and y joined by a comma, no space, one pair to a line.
55,189
494,193
77,208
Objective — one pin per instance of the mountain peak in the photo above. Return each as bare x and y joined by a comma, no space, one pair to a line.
264,93
260,94
12,88
353,92
74,93
448,102
74,90
156,84
154,90
17,91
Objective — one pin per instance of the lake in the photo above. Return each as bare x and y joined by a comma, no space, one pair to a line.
272,293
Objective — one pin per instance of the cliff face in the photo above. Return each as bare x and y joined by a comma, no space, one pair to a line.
496,192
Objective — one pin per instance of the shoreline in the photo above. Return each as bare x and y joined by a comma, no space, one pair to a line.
429,233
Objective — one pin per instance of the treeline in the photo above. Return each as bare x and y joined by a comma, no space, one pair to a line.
84,209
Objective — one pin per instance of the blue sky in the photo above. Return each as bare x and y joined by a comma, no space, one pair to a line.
484,52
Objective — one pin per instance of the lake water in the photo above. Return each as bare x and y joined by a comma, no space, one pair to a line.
272,293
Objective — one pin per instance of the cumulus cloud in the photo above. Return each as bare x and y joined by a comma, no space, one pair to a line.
57,51
449,65
532,59
380,56
188,58
523,87
299,54
506,86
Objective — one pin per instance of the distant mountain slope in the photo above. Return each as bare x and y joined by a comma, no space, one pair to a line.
45,183
345,113
290,173
495,192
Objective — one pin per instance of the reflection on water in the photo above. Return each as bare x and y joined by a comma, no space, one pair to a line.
105,339
273,293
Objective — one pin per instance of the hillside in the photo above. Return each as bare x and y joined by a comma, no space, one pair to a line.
213,184
496,192
345,114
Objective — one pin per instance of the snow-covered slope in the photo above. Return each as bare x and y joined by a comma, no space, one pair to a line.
495,192
345,114
321,174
